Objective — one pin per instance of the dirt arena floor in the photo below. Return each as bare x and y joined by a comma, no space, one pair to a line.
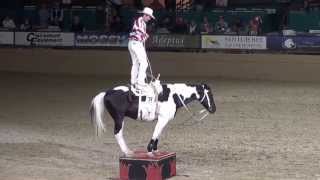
262,130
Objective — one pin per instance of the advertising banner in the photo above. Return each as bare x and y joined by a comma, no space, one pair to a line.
44,39
173,41
233,42
101,40
293,42
6,38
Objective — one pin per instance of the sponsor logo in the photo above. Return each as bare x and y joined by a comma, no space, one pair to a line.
103,39
233,42
244,42
289,44
44,38
168,41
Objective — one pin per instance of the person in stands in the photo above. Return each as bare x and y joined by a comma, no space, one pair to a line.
56,15
77,26
8,23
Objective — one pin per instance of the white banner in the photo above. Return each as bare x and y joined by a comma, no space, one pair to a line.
44,39
101,40
6,38
233,42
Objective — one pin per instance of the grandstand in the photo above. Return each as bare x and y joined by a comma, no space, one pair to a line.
95,14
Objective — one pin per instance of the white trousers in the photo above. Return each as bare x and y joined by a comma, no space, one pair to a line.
139,62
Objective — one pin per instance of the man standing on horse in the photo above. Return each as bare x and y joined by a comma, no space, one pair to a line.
136,46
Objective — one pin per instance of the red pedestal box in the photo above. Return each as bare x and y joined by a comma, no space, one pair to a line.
142,166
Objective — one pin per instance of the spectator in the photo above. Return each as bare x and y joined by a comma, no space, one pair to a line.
77,26
100,16
202,5
44,15
116,25
222,3
66,3
8,23
162,29
255,26
206,26
152,27
306,5
156,5
56,15
117,5
164,26
238,26
207,5
198,5
138,4
221,26
181,26
26,25
193,27
170,5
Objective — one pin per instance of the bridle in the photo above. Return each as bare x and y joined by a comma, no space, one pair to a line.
205,96
192,114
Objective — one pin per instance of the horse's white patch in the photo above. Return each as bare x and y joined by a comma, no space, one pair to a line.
147,109
122,88
183,89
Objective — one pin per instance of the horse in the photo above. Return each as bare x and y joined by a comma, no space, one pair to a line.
120,102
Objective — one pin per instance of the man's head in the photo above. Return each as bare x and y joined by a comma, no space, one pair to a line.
147,14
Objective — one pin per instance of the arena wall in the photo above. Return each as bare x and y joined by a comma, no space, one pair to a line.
282,67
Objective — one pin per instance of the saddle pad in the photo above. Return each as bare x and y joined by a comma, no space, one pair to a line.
147,108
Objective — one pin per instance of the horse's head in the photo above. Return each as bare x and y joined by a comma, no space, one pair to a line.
206,97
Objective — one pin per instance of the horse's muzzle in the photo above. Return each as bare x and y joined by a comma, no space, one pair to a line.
212,109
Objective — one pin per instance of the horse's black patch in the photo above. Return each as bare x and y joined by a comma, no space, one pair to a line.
164,96
200,90
177,100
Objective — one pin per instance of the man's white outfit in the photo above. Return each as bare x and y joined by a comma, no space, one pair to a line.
137,38
147,108
139,63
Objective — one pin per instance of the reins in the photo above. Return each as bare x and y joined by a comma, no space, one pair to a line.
149,65
192,114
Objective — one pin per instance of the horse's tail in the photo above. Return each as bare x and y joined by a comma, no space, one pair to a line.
97,112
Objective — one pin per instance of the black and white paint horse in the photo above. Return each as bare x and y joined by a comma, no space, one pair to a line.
118,103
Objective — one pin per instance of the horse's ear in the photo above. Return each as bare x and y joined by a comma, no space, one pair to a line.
203,84
206,86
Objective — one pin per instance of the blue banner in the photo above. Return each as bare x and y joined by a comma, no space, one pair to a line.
293,42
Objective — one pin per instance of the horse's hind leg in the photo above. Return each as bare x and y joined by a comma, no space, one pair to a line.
118,128
121,141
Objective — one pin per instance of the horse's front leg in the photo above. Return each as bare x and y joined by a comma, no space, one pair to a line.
162,122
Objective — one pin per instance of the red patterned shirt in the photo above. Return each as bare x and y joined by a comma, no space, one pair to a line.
139,30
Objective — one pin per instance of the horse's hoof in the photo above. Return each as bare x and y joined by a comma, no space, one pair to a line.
129,153
150,154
